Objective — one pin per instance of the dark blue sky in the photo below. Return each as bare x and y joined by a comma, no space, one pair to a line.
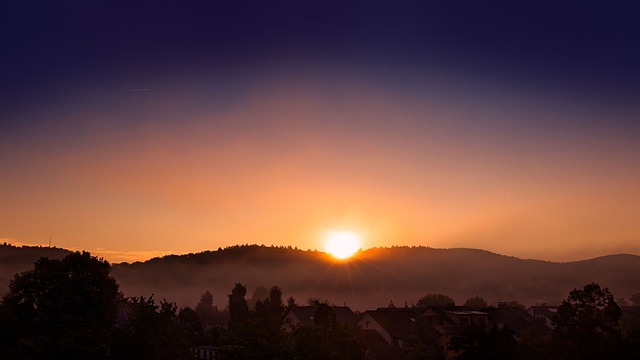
583,46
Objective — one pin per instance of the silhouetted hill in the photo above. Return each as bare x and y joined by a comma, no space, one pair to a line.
373,278
14,260
376,276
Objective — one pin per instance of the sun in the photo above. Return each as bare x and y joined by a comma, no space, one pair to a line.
342,244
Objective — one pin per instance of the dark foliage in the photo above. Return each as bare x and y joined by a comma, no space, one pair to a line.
155,331
476,302
189,323
66,309
417,348
630,329
587,325
515,304
435,300
478,343
533,345
423,345
327,339
205,308
260,335
238,308
62,309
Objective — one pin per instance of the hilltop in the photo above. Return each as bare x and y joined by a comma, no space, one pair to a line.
372,278
16,259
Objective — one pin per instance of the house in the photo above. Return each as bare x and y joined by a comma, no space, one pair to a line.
461,317
397,326
394,325
304,316
545,313
518,320
449,321
207,352
452,320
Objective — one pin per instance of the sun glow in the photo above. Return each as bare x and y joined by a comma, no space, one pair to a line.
342,244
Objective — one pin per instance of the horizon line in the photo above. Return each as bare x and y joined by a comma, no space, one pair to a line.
134,256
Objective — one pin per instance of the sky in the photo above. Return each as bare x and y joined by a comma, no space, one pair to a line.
139,130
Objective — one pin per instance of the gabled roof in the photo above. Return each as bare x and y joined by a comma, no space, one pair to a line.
398,322
518,320
447,311
544,310
464,312
449,315
344,315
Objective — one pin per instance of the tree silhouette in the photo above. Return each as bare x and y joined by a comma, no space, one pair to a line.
205,308
476,302
190,323
434,300
154,331
238,308
630,328
327,339
515,304
587,324
260,334
272,306
259,294
264,333
476,343
291,302
62,309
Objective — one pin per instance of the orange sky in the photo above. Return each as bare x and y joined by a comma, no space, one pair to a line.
164,171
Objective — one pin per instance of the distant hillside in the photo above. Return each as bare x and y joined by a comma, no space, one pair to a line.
375,277
15,259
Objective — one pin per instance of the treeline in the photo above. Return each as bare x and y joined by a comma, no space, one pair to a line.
366,281
71,308
374,276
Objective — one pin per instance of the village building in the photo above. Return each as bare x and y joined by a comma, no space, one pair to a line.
297,316
545,313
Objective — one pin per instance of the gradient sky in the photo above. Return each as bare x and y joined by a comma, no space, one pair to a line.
137,130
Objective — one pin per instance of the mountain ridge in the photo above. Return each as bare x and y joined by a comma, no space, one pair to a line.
372,278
